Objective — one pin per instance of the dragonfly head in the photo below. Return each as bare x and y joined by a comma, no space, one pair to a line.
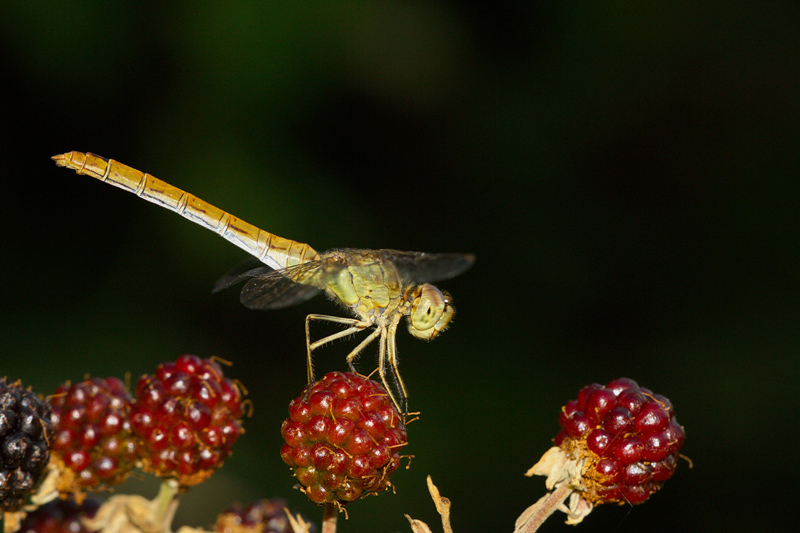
431,311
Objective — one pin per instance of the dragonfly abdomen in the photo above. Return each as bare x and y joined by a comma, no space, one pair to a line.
272,250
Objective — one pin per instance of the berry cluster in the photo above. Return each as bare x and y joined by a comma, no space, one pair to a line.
188,415
25,431
628,437
60,516
261,516
343,437
92,437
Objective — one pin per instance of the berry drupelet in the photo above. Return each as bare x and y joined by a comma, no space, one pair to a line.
187,415
343,438
25,433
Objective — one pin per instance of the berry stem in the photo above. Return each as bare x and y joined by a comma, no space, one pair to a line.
167,503
330,515
542,509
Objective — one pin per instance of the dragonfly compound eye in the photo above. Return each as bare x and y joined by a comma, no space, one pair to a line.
430,312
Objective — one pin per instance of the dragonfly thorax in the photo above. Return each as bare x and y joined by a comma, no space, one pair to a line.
361,281
431,311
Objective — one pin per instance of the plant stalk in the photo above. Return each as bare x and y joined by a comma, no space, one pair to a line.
548,506
330,514
167,503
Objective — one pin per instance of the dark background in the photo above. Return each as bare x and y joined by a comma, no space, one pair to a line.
626,174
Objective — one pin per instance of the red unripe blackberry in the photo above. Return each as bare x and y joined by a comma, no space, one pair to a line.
343,438
627,437
60,516
25,431
92,436
261,516
187,415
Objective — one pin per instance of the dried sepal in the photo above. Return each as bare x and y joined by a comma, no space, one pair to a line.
125,513
442,507
564,478
559,468
418,526
298,524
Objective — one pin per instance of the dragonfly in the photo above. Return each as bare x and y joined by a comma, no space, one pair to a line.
378,287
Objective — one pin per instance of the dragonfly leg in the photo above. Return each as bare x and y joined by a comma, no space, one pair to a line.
355,327
391,357
382,367
363,344
387,340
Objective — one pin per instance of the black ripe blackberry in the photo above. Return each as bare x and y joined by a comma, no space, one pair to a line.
25,431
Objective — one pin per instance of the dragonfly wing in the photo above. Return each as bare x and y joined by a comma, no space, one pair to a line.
247,269
422,267
275,291
281,288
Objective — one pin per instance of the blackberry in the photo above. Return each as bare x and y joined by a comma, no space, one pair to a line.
25,433
187,415
343,438
618,444
60,516
261,516
92,439
627,436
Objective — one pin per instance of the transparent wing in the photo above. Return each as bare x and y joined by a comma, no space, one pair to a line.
273,289
249,268
422,267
